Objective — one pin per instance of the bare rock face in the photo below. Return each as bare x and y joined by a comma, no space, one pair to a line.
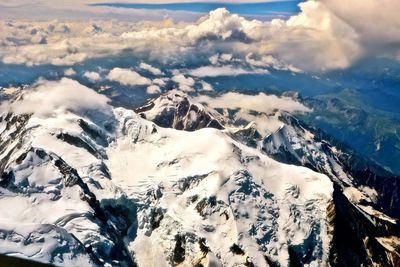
174,110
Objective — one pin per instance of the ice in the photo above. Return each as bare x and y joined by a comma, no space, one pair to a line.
166,196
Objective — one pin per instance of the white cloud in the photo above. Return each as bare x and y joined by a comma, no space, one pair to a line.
222,25
315,39
81,10
185,83
160,82
92,75
127,77
266,105
153,89
220,58
260,102
325,35
214,59
376,22
228,70
269,61
69,72
53,97
206,86
150,68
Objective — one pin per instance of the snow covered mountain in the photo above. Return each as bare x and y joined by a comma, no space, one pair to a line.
86,184
363,190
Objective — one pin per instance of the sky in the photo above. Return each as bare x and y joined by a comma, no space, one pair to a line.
138,10
273,9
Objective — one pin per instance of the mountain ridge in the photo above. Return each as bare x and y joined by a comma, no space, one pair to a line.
120,185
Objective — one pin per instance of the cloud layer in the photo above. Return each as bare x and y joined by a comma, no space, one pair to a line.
325,35
261,103
261,109
228,70
127,77
48,98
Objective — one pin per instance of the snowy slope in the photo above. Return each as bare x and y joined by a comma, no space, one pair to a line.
213,188
364,195
362,198
295,144
92,184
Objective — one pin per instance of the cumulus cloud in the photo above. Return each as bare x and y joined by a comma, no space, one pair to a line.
127,77
260,103
153,89
160,82
206,86
315,39
69,72
376,22
267,108
92,75
150,68
269,61
325,35
67,43
48,98
185,83
227,70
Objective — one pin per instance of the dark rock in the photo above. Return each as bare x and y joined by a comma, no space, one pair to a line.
179,250
235,249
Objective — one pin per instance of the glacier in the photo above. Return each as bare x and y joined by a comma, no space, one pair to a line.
174,183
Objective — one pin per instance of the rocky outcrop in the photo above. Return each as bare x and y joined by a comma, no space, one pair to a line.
175,110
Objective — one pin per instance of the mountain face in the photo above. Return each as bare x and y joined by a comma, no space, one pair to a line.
363,191
174,110
88,184
362,198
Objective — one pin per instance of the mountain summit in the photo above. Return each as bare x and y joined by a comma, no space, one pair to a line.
87,184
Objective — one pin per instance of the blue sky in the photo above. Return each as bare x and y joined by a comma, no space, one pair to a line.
261,8
180,10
